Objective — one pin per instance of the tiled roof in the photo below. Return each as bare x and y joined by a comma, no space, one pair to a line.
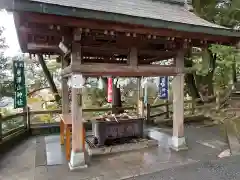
165,10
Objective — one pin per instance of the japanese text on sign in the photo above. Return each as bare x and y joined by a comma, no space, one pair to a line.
163,87
19,84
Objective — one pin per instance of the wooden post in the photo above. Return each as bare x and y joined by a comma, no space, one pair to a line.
167,109
62,129
25,117
193,106
133,57
148,113
28,119
65,101
68,143
65,97
77,121
178,106
217,100
1,127
178,139
77,159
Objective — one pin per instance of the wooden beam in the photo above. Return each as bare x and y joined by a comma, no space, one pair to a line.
98,50
120,27
165,56
119,41
43,52
104,60
40,39
101,51
141,41
43,31
113,60
22,37
35,46
101,69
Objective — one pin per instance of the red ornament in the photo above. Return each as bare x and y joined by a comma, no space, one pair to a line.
109,90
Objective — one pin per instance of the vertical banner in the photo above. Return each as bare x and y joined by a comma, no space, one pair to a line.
20,99
110,90
145,100
163,87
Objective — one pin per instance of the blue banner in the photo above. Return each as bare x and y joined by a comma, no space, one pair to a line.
163,87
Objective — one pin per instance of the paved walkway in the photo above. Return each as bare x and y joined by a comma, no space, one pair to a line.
223,169
34,160
19,164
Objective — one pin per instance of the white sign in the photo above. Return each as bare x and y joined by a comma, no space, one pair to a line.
77,81
63,47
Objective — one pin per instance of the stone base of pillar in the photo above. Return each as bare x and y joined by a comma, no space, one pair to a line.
178,143
77,161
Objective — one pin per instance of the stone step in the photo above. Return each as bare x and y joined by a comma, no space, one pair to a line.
234,97
235,94
237,86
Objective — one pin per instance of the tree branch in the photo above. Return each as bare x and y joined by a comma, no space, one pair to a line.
35,90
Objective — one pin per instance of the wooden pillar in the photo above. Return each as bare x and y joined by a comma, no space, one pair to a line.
1,133
77,159
133,61
178,139
65,101
77,120
133,56
65,97
28,122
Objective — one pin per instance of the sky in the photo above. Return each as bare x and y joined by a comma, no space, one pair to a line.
10,33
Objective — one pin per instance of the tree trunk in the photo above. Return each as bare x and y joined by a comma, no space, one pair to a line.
190,81
204,83
49,79
191,85
234,71
116,100
209,77
105,85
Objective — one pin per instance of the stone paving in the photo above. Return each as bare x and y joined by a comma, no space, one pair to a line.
34,160
19,164
223,169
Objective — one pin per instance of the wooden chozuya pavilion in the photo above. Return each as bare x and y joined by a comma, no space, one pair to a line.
119,38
